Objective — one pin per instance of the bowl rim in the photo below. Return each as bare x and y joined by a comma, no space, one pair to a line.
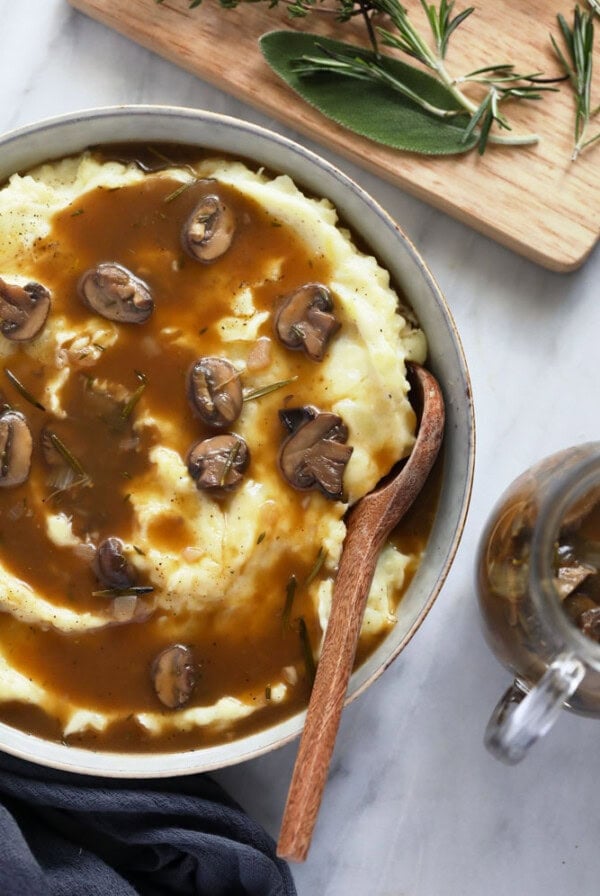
156,764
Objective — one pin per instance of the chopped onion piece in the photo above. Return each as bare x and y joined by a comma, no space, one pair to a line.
192,555
130,444
124,607
150,346
290,673
85,551
260,356
17,511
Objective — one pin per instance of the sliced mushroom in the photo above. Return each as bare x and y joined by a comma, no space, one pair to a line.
174,675
208,232
217,464
215,390
305,320
116,294
569,578
589,623
16,445
112,566
23,310
576,604
293,418
314,454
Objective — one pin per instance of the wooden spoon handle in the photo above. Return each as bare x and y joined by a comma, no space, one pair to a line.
369,524
326,702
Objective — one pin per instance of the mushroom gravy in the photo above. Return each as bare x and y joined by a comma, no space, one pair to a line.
148,604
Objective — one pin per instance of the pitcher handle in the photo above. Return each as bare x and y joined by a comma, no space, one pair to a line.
525,714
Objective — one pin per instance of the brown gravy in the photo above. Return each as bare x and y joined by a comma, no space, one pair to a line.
109,668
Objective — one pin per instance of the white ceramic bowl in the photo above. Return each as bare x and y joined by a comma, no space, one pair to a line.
70,134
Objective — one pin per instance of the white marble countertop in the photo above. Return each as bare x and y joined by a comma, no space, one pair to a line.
414,804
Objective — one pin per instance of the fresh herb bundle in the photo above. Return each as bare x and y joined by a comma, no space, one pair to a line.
421,109
440,97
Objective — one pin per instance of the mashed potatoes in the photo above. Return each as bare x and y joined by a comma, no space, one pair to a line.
218,562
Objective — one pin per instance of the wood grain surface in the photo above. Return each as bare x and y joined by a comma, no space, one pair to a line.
534,200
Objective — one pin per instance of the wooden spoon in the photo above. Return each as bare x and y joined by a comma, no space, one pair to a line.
369,523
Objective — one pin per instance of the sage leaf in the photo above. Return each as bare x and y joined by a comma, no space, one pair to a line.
371,109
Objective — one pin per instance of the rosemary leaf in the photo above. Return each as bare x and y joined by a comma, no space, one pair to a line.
317,566
181,189
290,593
450,26
229,461
576,57
68,457
307,652
128,407
266,390
121,592
486,125
22,390
156,152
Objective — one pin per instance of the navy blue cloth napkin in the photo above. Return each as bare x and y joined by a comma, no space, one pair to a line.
71,835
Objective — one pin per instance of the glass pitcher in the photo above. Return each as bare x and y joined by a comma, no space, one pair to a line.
538,578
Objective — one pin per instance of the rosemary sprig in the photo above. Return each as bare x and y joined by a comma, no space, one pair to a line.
362,68
73,475
317,566
180,189
22,390
67,455
410,41
229,461
156,152
266,390
292,586
307,651
443,25
479,117
128,407
510,85
290,593
122,592
577,61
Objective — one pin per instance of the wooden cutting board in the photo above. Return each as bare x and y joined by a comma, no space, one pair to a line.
535,200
